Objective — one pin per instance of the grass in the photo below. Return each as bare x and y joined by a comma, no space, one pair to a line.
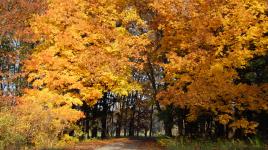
182,143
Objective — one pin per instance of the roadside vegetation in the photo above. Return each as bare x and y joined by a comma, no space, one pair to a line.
183,143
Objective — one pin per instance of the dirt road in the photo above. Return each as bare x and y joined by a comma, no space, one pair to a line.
119,144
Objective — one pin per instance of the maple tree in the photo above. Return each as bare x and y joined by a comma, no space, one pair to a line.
80,55
15,42
204,57
14,38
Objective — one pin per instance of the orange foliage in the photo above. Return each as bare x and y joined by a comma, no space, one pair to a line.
81,52
15,15
206,42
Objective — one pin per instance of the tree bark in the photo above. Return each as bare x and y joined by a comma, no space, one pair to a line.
168,129
104,117
151,121
104,126
94,132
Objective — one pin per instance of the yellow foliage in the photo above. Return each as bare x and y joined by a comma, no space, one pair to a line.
225,119
206,43
82,55
43,116
248,127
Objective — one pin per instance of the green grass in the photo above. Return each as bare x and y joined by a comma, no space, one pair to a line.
220,144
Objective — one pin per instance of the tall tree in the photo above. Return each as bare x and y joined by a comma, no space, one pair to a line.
204,57
82,53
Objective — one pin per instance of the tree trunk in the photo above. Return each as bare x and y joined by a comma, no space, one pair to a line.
118,131
125,131
151,121
87,128
145,132
112,125
104,126
126,116
94,132
167,117
118,126
131,127
132,119
168,129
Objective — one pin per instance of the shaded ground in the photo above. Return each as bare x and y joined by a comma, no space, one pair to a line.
119,144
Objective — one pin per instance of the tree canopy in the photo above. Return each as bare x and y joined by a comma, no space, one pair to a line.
70,68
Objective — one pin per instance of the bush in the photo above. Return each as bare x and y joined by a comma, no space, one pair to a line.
40,120
8,133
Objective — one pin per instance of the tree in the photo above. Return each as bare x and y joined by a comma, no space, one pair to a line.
15,39
14,44
82,54
204,57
